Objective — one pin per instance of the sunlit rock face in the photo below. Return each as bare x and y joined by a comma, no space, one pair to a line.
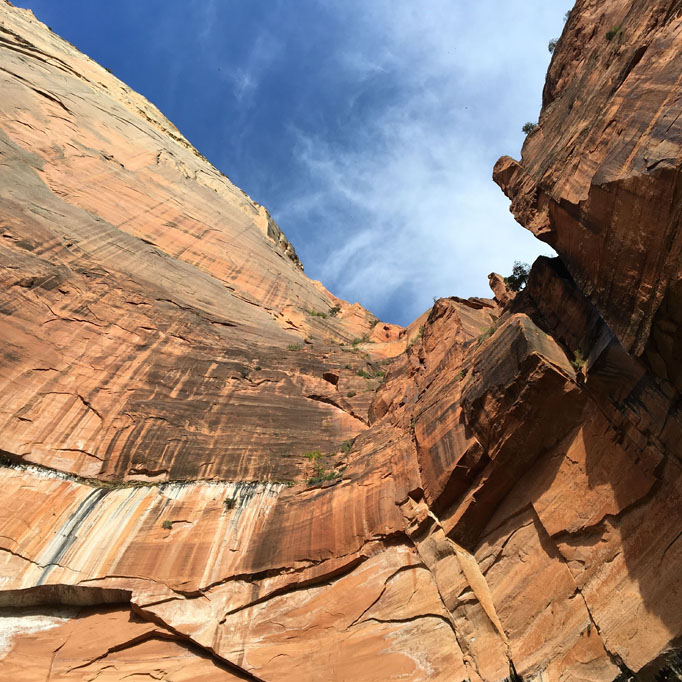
214,469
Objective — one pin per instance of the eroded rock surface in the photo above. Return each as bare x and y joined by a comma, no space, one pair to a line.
214,469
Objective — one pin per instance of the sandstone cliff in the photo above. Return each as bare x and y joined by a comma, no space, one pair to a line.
212,468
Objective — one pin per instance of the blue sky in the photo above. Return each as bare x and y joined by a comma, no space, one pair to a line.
369,128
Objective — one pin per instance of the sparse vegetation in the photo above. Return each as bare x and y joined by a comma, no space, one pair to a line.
551,46
294,346
578,361
351,394
334,311
167,524
347,366
322,473
462,374
421,332
258,368
360,339
347,446
613,32
529,127
487,333
374,323
229,503
315,313
519,277
379,374
568,14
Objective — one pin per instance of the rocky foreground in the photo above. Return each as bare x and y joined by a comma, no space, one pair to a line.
214,469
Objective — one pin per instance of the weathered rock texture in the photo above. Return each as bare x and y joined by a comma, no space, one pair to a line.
213,469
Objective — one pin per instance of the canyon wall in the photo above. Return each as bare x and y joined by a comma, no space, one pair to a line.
212,468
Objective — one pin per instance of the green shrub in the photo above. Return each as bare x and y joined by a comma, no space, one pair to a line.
229,503
519,277
347,446
315,313
167,525
529,127
364,374
551,46
350,394
614,32
322,475
578,361
313,456
333,312
487,333
294,346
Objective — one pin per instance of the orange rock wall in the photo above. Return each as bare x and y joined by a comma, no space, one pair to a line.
214,469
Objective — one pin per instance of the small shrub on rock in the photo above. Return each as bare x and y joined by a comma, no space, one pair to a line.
519,277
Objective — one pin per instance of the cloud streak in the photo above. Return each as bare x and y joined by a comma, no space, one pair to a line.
402,198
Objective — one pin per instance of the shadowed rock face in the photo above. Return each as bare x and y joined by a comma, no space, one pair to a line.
214,469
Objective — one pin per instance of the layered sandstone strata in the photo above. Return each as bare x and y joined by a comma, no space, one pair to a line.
214,469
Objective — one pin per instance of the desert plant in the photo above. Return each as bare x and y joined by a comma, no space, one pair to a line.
519,277
487,333
350,394
229,503
315,313
334,311
167,524
294,346
578,361
346,446
529,127
613,32
313,456
551,46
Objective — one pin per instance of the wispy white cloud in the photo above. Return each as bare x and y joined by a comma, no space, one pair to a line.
403,198
247,76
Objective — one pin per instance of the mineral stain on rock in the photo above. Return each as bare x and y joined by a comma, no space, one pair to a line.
224,472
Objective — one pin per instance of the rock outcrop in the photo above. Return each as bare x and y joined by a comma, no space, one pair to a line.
214,469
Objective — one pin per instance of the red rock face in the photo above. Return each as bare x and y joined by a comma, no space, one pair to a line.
598,179
214,469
